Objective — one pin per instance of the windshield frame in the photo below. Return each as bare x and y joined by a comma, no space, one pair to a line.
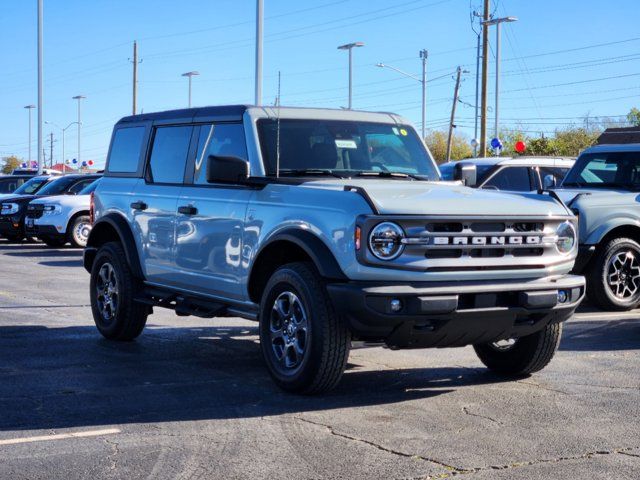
430,173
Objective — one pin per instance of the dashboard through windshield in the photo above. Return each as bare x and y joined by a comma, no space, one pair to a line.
344,149
605,170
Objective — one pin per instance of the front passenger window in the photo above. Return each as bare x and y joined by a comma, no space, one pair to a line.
169,154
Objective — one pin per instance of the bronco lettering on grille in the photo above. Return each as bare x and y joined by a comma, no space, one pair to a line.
491,240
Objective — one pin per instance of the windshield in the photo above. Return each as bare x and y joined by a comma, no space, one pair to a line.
58,186
605,170
31,187
344,149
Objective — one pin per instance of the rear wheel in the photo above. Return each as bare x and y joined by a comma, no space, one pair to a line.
614,275
79,231
521,356
112,291
304,343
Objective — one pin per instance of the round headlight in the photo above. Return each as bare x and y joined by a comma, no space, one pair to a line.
385,241
566,237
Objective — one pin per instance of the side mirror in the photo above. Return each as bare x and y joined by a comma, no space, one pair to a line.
549,181
467,173
227,169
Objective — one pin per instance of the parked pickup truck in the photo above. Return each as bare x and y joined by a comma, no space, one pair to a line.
324,226
603,190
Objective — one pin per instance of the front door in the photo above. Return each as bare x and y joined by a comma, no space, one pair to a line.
211,218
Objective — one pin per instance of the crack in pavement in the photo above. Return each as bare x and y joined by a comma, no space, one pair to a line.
115,452
330,429
542,387
467,412
455,471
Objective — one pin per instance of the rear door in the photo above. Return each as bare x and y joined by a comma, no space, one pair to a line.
155,201
210,222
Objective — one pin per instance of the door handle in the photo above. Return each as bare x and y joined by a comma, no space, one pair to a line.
187,210
139,205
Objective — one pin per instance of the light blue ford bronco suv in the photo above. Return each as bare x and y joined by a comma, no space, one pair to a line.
325,226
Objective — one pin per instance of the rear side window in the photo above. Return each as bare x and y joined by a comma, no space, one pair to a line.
81,185
169,154
125,150
224,140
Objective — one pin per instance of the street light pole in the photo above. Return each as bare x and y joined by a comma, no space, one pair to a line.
497,22
350,47
79,99
259,38
189,75
422,80
63,130
40,100
29,107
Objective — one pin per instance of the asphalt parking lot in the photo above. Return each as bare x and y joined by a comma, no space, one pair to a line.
191,399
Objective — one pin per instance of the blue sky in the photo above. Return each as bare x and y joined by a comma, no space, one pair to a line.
561,61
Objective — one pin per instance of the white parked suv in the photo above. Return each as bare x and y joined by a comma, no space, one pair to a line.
61,219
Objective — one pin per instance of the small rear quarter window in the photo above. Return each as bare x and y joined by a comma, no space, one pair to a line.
124,156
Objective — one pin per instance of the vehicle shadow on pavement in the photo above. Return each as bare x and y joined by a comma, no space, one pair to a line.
593,335
46,252
62,263
71,377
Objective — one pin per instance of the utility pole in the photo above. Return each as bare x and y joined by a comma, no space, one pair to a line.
51,150
40,102
423,55
259,38
485,72
30,107
453,113
477,102
135,76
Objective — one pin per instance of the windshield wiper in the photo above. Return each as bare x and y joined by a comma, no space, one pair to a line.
384,174
309,171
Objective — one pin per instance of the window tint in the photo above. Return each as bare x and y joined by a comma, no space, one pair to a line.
169,154
510,178
125,150
225,140
557,172
81,185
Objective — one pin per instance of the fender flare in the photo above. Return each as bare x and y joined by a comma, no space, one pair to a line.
117,223
314,247
596,236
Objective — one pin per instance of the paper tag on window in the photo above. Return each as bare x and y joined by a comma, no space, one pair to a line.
346,144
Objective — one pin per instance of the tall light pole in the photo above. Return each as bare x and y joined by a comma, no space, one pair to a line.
422,80
63,130
350,47
189,75
497,22
79,99
259,39
29,107
40,101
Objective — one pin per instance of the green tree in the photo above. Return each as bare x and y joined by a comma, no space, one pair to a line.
633,117
9,164
437,143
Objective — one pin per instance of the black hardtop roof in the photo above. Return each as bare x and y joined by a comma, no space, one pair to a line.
189,113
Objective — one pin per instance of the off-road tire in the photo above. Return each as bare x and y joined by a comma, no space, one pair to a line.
328,342
528,355
129,317
598,289
72,236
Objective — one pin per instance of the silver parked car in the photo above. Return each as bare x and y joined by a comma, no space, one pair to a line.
515,174
61,219
603,190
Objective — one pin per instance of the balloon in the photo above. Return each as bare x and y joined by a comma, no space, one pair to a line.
520,146
84,163
74,161
475,142
496,143
24,165
90,162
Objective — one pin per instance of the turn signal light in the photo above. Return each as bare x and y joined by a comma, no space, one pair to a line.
357,237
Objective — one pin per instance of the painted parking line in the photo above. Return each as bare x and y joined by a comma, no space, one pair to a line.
607,315
61,436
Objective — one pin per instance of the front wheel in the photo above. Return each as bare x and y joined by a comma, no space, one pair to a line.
304,343
112,292
79,232
613,279
521,356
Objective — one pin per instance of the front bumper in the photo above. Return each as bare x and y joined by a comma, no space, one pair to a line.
10,226
43,231
447,314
